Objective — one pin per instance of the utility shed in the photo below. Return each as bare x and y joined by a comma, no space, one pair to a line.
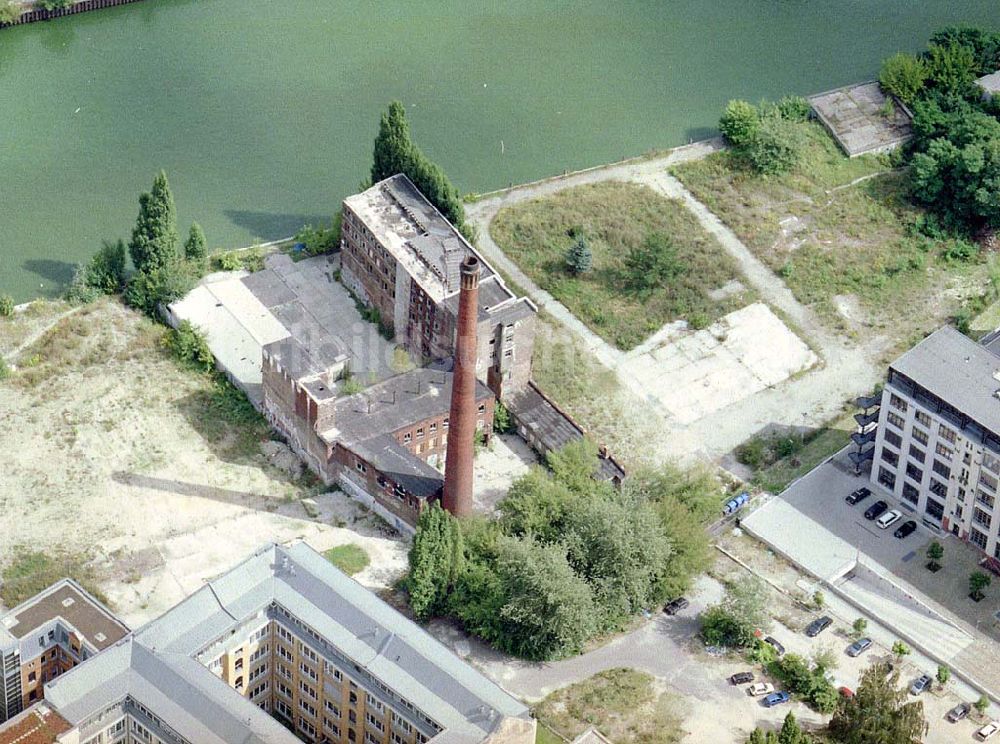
857,118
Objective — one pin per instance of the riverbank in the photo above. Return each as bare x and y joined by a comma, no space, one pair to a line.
31,14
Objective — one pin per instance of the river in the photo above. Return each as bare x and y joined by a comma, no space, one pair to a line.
263,113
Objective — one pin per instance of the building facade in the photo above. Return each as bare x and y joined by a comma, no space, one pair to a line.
937,448
283,648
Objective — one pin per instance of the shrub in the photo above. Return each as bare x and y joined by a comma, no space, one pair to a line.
775,148
900,649
147,291
752,453
651,264
195,247
579,258
807,680
859,627
982,704
735,621
319,240
951,67
10,11
904,76
740,123
943,675
79,290
978,581
229,261
794,108
502,421
6,306
935,552
189,345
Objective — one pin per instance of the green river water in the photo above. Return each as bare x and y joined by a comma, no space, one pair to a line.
263,113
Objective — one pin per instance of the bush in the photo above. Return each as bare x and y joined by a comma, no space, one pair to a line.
740,123
148,291
904,76
776,147
578,257
735,621
808,681
794,108
502,421
951,67
859,627
79,291
6,306
651,264
103,274
188,344
319,240
229,261
9,11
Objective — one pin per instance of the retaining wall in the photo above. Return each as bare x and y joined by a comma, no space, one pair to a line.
82,6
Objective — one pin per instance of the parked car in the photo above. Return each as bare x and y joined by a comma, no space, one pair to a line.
741,678
736,504
846,692
776,698
675,605
818,625
959,712
773,643
876,509
858,496
920,684
988,730
906,529
888,519
859,647
760,688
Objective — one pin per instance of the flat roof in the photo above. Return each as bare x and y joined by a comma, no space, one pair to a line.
854,117
66,600
958,370
416,234
990,83
37,725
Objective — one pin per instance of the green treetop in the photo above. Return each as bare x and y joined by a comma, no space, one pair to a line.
195,247
154,238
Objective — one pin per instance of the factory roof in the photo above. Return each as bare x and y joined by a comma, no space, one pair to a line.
961,372
158,665
37,725
416,234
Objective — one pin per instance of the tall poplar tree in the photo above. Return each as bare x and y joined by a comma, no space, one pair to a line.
154,238
393,148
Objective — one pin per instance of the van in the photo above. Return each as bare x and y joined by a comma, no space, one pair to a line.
888,519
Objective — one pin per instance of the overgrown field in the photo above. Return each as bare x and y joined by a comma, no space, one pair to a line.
615,219
843,235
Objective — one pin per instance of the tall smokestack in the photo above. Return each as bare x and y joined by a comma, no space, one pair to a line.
462,418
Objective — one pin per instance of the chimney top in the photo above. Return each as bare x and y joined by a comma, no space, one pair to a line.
470,265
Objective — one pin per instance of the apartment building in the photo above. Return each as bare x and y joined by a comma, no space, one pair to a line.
402,257
46,636
282,648
937,447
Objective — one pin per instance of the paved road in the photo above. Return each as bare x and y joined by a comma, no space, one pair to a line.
810,399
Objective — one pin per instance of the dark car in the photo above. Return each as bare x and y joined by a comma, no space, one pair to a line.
859,647
773,643
818,625
675,605
858,496
741,678
776,698
875,510
959,712
905,529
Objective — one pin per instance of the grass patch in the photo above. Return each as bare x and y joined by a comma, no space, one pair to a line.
828,236
225,416
31,571
349,558
616,217
544,736
623,704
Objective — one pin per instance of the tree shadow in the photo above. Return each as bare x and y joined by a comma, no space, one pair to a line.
57,272
271,226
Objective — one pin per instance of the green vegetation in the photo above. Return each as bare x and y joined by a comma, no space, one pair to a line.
790,733
188,344
878,712
981,704
808,680
764,139
651,261
943,675
903,75
104,274
242,259
859,627
319,240
31,571
734,622
900,649
978,581
502,421
840,230
6,306
224,416
579,259
195,247
935,552
10,11
623,704
396,153
349,558
570,557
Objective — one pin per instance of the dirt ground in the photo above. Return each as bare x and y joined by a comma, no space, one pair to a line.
105,453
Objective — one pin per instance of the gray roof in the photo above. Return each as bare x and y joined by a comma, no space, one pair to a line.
961,372
990,83
158,664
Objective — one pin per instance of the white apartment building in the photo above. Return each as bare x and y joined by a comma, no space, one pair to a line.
938,444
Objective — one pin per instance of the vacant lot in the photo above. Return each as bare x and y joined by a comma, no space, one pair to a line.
843,235
616,218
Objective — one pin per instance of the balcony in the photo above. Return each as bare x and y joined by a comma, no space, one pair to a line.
859,458
866,402
866,419
861,439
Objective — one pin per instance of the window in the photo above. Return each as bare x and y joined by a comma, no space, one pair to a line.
981,517
362,468
889,456
988,480
947,434
420,432
887,478
991,463
923,418
934,509
920,435
941,469
985,499
407,437
939,489
977,538
374,722
943,451
894,439
910,493
912,471
898,403
916,454
482,408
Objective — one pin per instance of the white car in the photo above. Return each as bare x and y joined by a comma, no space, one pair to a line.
988,730
760,688
889,518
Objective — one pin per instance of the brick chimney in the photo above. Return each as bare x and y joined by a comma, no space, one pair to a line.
462,418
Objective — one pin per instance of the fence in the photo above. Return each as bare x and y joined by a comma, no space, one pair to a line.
82,6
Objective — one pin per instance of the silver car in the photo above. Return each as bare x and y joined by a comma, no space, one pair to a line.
920,684
859,647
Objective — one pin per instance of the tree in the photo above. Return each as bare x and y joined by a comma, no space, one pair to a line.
943,675
195,247
757,737
951,67
106,269
819,599
10,11
6,306
435,561
393,149
985,45
578,257
978,581
981,704
735,620
651,264
878,713
154,238
149,290
776,147
935,552
740,123
189,345
900,649
535,504
904,76
791,732
859,627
